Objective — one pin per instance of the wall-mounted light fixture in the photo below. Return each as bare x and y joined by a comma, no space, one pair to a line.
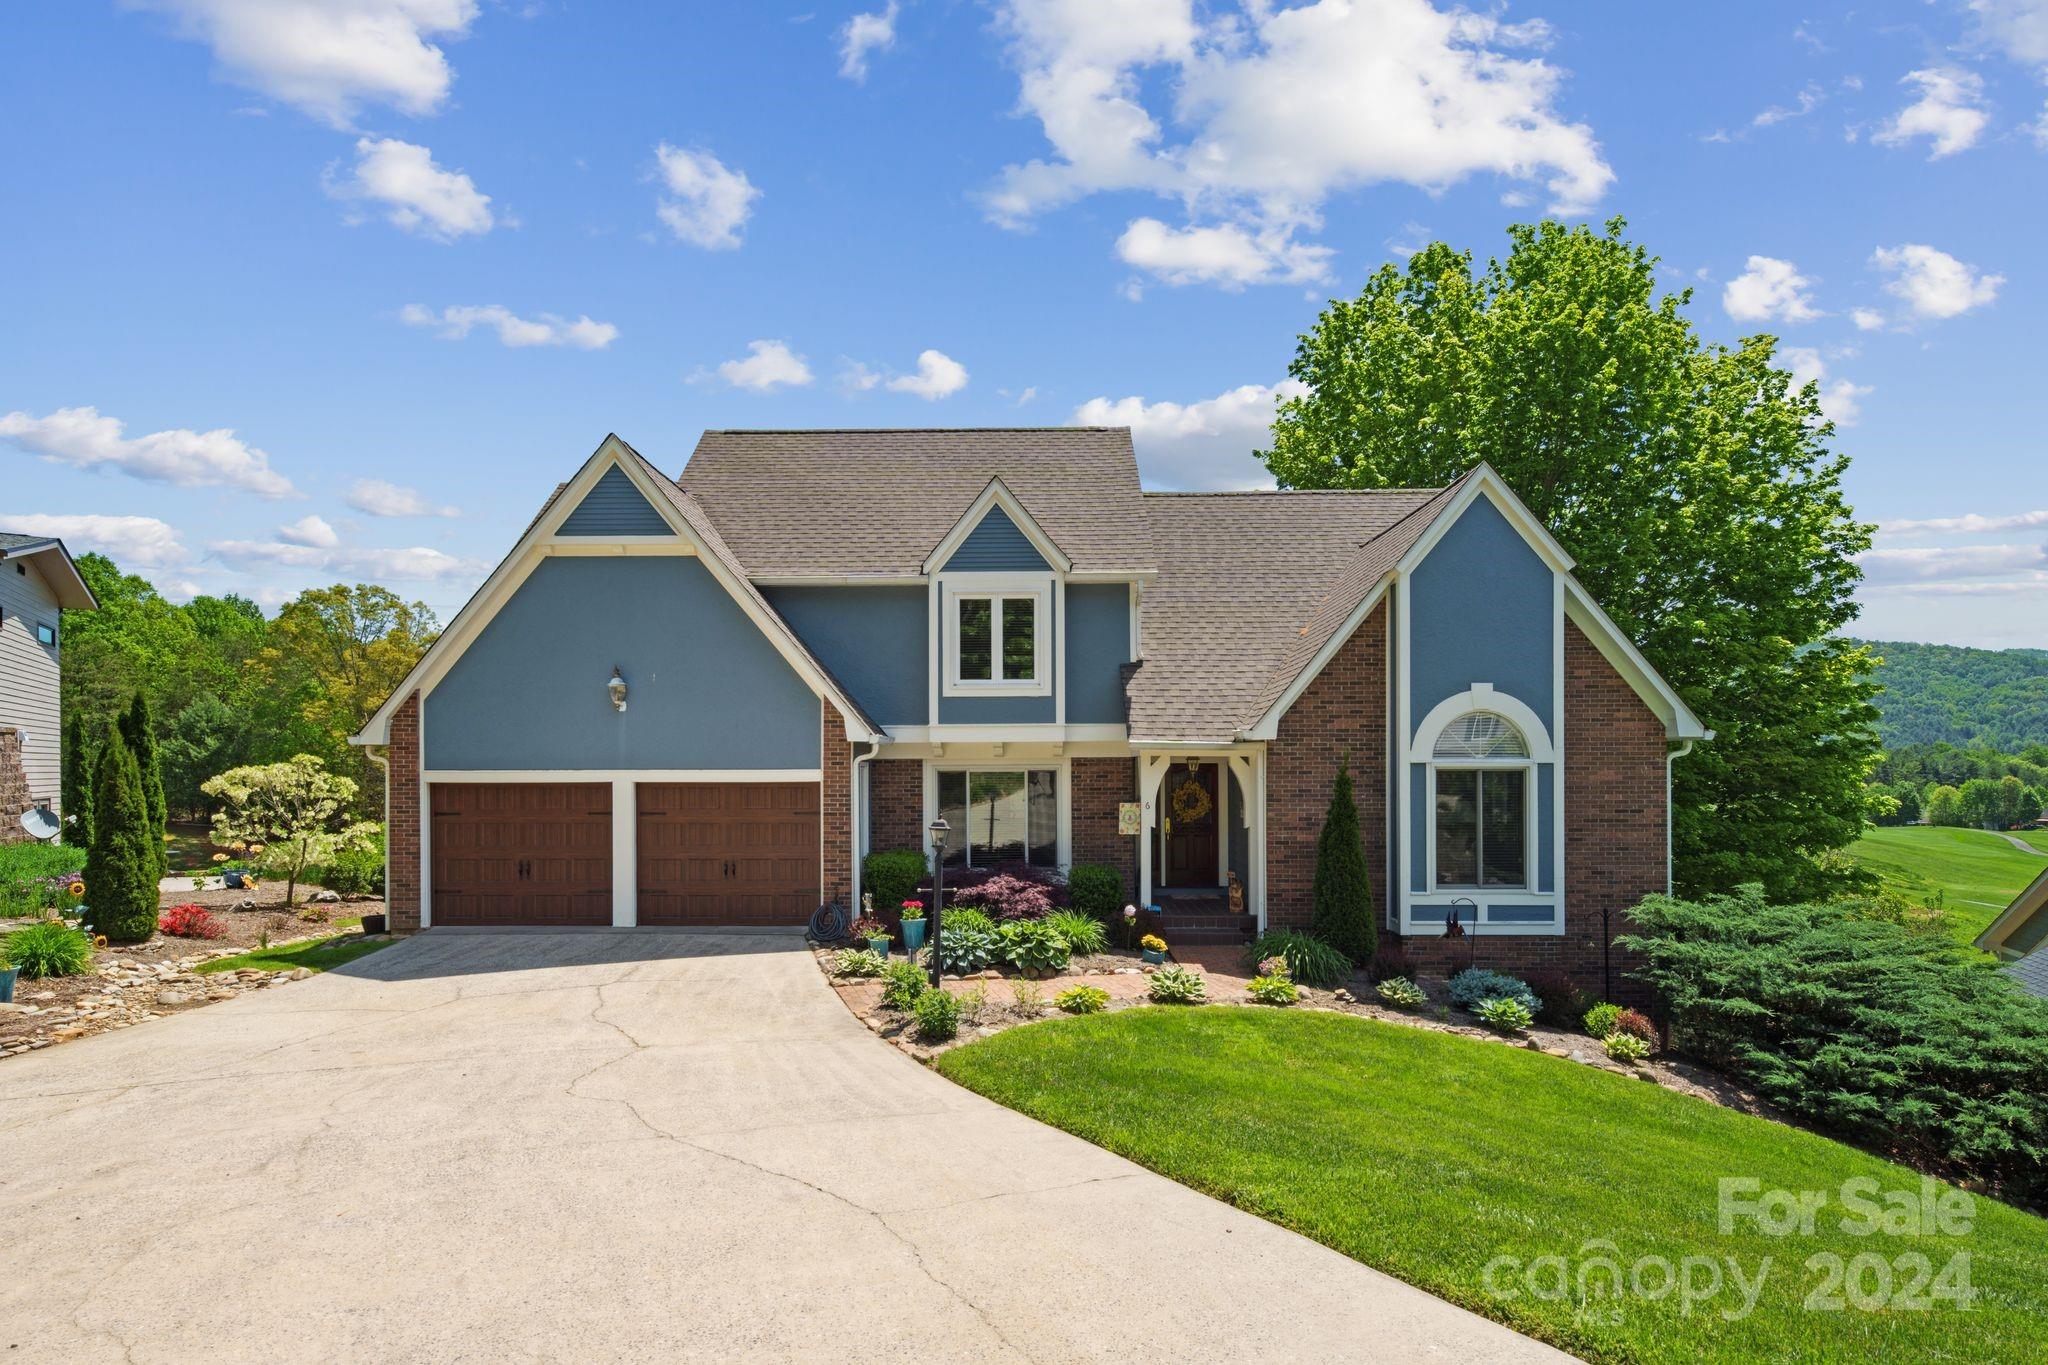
617,687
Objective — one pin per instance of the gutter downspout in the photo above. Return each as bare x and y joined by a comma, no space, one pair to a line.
874,748
383,761
1670,859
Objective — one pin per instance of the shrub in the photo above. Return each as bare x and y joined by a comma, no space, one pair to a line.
1277,989
1505,1014
967,942
1082,1000
48,949
1309,960
1342,912
1152,943
1007,896
937,1015
1083,933
1909,1045
892,877
1625,1047
1634,1024
902,984
355,871
189,921
1475,984
858,962
1096,889
1033,945
1391,961
121,870
1402,993
1178,986
1559,1001
1600,1019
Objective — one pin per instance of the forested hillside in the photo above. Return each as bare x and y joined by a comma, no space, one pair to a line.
1971,698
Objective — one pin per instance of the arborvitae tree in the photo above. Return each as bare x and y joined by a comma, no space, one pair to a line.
140,734
121,868
1343,915
77,788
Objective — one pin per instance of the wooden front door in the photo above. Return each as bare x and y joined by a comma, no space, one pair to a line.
728,852
522,853
1188,824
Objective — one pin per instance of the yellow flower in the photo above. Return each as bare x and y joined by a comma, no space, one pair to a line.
77,889
220,857
255,848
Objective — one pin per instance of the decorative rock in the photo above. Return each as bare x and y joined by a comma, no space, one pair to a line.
173,998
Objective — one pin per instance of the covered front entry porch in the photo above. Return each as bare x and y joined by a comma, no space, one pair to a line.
1202,842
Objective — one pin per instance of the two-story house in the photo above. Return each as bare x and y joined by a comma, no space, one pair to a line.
38,583
698,700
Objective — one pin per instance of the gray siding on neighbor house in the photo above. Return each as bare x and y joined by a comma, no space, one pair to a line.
29,675
614,507
996,545
2030,935
876,641
1098,645
706,689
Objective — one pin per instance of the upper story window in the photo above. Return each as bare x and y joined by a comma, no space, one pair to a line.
46,634
997,639
1483,775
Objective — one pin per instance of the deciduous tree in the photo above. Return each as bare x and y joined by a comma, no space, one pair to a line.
297,811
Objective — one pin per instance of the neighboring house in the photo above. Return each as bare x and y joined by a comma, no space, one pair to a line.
38,582
2019,937
829,638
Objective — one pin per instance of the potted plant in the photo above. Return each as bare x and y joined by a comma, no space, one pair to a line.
913,926
875,932
376,924
1154,948
8,974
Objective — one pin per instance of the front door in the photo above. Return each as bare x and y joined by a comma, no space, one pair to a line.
1188,823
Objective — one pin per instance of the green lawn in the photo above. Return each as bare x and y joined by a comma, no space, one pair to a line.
1972,873
320,954
1428,1155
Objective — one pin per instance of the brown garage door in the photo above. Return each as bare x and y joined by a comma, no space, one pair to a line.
728,852
512,853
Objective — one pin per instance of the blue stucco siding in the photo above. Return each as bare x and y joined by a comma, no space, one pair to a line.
614,507
1482,610
996,545
1546,827
1098,645
707,690
875,640
1419,826
996,710
1497,913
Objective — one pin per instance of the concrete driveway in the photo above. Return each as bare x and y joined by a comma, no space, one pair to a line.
596,1146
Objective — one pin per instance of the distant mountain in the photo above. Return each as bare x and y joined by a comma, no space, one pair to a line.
1987,698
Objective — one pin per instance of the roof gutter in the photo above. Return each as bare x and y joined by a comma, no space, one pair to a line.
1670,816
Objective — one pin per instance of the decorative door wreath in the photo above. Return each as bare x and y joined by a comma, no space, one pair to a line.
1191,801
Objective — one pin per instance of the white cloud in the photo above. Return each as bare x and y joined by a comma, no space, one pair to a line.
1949,112
82,438
545,330
130,541
937,376
417,194
1808,100
862,35
310,530
1206,444
1229,255
1933,283
1256,117
2039,128
710,202
416,563
329,57
770,365
1932,563
1866,319
377,498
1970,523
1840,400
1769,289
2019,28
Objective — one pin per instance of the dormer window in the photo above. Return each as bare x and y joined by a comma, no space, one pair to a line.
997,636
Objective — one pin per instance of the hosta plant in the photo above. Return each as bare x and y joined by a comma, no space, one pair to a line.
967,942
858,962
1402,993
1505,1014
1178,986
1626,1047
1082,1000
1032,945
1276,988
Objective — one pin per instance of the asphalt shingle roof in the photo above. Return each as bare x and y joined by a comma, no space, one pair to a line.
14,540
2031,972
798,503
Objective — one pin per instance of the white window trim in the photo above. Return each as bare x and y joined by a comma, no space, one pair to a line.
1063,798
960,587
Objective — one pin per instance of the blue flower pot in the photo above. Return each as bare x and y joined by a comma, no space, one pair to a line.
233,880
880,945
1153,955
913,935
7,976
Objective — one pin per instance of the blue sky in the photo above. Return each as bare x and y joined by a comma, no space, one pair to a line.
312,290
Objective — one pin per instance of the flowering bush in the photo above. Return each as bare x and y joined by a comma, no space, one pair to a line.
870,928
1152,943
189,921
913,910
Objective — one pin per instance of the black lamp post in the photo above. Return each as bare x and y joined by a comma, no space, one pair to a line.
939,830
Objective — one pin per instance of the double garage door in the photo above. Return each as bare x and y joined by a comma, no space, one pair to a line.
540,853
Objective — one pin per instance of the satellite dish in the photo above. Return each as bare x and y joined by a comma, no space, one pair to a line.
40,822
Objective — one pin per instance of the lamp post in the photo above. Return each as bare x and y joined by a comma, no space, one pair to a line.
939,830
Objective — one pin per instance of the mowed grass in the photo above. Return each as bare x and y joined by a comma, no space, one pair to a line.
1972,873
320,955
1428,1155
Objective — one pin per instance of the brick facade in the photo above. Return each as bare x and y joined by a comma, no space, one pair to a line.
402,818
14,793
1100,785
895,804
836,811
1344,711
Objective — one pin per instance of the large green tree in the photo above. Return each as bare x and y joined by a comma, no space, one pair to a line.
1692,482
121,867
77,786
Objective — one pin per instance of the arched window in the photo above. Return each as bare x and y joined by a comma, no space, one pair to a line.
1483,778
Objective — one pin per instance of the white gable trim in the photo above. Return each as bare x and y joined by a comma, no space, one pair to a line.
2032,901
1582,611
997,494
1482,482
542,541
